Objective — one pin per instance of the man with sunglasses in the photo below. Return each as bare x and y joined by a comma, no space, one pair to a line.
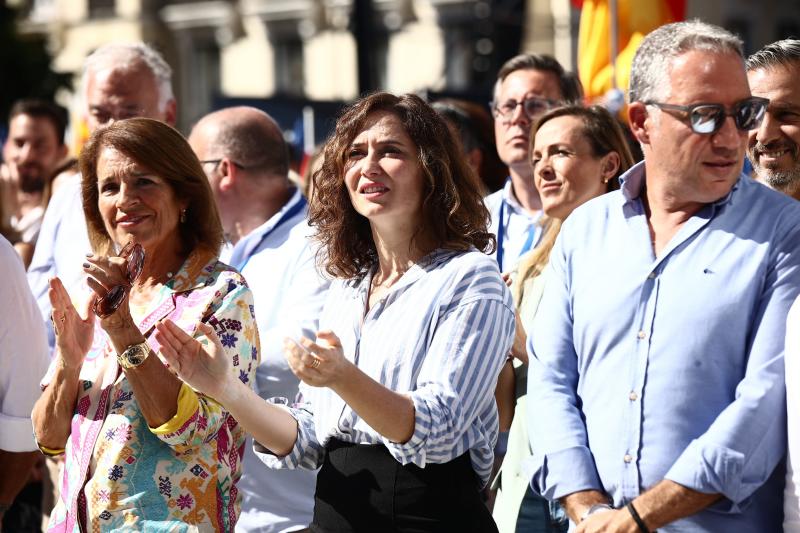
656,377
527,86
246,159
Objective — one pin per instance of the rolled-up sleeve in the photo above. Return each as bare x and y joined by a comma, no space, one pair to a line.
307,451
454,396
23,354
747,440
562,462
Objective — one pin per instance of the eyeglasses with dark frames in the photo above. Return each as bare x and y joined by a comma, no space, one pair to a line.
532,107
105,305
707,119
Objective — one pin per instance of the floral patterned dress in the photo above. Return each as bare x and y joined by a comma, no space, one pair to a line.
121,475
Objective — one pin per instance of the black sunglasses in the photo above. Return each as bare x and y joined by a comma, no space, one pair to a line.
105,305
707,119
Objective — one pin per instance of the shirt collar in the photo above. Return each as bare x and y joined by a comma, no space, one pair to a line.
632,183
244,246
196,271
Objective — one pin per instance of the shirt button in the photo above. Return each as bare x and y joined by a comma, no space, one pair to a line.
627,458
633,396
642,335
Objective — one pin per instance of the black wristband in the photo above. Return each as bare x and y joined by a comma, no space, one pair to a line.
637,518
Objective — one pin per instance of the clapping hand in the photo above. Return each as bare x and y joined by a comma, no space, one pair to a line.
321,363
203,365
74,333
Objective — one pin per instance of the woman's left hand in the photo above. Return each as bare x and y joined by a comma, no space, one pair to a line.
203,366
321,363
104,274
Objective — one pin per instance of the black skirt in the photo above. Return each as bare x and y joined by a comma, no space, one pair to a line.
362,488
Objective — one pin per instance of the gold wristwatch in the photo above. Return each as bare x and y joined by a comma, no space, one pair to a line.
134,355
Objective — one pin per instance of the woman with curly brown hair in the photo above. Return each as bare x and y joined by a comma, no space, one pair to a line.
397,409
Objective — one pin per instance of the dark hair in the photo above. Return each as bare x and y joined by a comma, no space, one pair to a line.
784,52
475,129
160,149
571,89
37,108
454,216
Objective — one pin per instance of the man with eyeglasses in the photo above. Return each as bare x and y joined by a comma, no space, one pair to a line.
119,81
656,381
527,86
246,159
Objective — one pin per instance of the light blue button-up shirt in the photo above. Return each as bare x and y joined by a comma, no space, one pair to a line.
646,368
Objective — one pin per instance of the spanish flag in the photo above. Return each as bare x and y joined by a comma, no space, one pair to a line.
635,19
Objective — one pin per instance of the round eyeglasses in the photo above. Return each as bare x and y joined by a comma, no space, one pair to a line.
105,305
707,119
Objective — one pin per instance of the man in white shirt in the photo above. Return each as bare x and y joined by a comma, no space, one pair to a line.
23,361
527,86
774,151
119,81
243,152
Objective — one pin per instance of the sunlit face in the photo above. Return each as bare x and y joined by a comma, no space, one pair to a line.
116,94
383,174
774,148
513,134
135,203
33,151
696,168
565,170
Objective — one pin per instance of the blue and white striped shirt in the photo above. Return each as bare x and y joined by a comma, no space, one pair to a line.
441,335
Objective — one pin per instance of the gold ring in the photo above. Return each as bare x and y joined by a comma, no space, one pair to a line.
315,363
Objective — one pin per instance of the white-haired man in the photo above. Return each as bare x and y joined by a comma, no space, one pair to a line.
119,81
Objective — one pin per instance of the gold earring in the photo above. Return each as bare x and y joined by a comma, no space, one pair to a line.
183,215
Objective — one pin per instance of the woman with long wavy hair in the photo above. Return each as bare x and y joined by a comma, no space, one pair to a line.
397,387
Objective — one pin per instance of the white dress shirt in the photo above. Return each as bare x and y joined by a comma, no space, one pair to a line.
288,294
24,356
791,496
60,249
517,224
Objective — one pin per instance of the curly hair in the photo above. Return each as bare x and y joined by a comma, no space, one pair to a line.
160,149
453,214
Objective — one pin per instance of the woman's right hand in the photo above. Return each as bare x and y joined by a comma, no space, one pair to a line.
204,367
74,333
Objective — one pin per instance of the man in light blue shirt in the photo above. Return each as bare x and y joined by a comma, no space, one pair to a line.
656,376
246,159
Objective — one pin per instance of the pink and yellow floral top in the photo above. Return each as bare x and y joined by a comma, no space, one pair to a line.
120,474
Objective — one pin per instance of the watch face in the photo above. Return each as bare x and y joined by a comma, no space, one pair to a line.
134,355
